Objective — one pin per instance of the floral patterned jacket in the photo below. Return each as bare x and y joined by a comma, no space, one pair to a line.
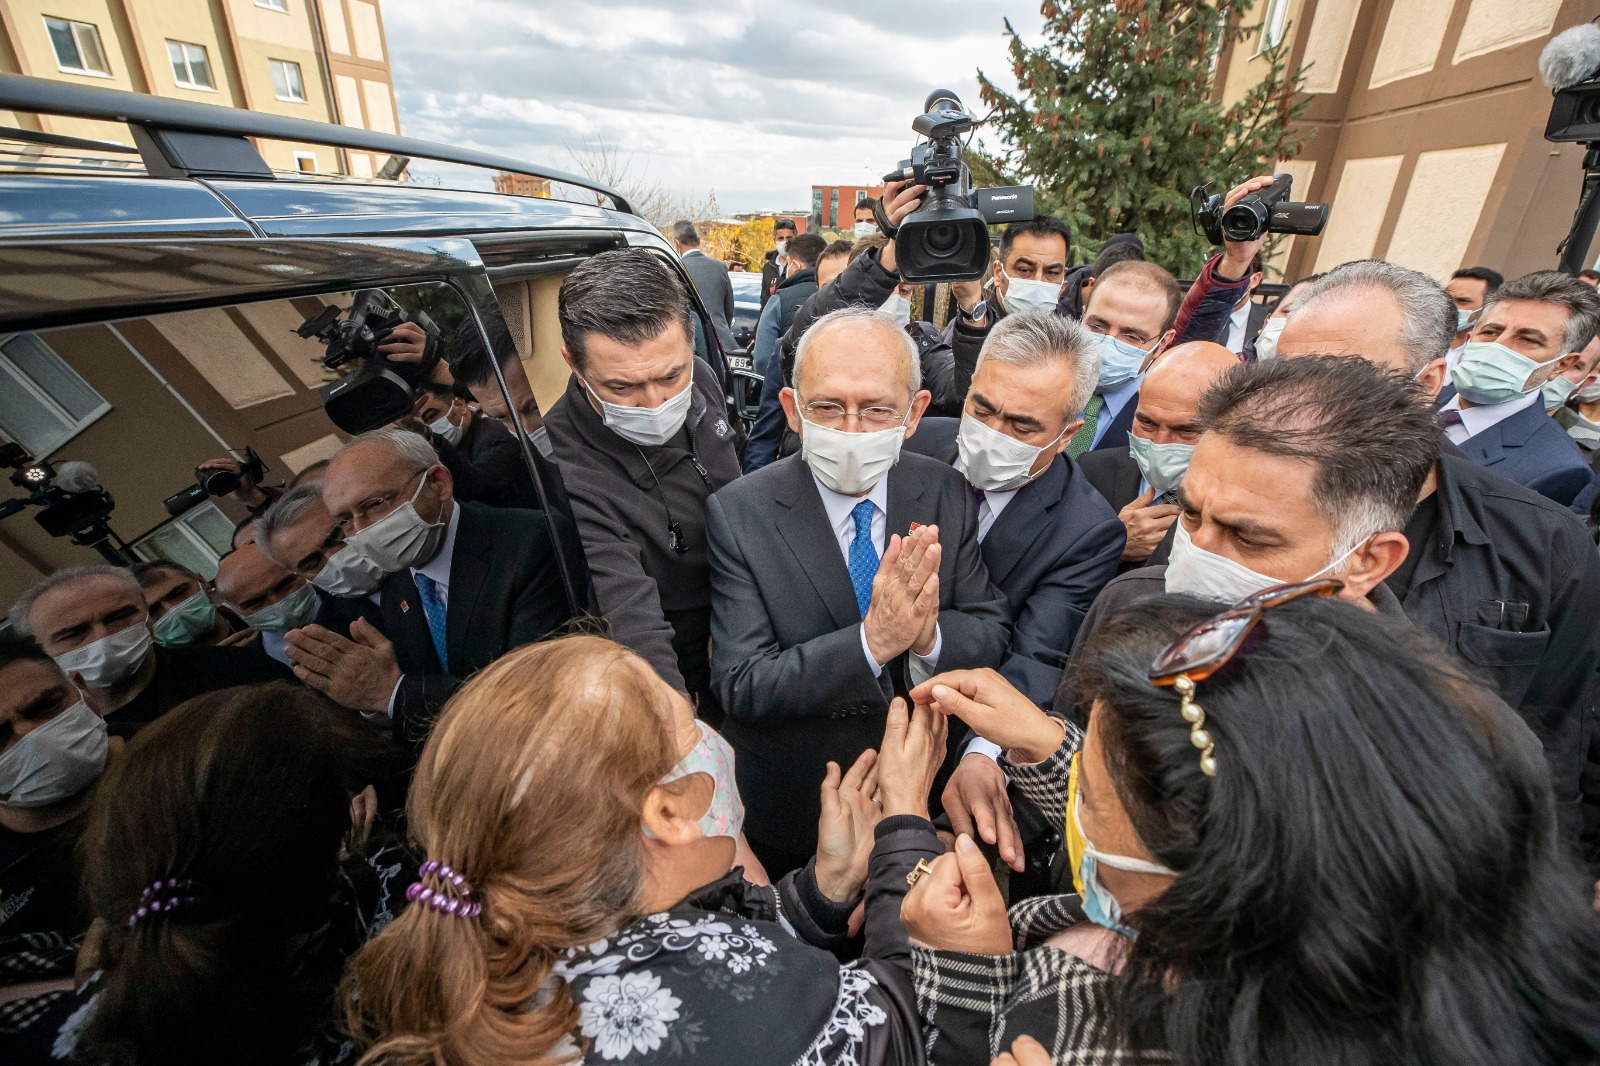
743,974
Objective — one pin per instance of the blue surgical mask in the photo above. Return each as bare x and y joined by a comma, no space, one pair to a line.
1162,465
293,611
1120,362
187,622
1099,905
1464,317
1490,373
1557,391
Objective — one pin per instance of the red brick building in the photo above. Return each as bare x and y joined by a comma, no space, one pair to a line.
833,206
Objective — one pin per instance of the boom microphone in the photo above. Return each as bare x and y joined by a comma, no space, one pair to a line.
1572,56
77,476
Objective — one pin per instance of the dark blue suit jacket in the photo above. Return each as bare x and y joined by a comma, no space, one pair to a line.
1051,551
1116,435
1532,450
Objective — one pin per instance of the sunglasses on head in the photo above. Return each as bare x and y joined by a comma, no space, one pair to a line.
1209,646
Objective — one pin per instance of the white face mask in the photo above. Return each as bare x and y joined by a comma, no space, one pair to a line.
110,659
898,308
293,611
850,463
865,229
446,430
1267,339
1023,295
401,538
1196,572
994,461
349,572
1589,393
648,427
54,761
783,246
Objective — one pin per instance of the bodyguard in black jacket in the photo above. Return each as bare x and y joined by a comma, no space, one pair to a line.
640,502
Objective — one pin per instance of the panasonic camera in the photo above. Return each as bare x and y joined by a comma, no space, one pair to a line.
377,390
947,238
1257,214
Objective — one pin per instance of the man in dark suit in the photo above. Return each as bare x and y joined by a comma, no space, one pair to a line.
466,583
839,577
1141,481
93,621
1529,331
776,262
484,459
1132,308
710,277
1048,539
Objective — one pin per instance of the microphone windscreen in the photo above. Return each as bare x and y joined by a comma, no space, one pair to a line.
1571,56
77,476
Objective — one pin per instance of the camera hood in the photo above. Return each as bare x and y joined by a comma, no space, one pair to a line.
370,398
942,243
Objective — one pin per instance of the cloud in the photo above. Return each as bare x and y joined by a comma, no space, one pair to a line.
754,99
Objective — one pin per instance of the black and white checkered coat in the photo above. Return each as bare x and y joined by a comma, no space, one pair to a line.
974,1006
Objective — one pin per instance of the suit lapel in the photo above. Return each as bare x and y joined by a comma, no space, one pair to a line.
469,571
1021,523
805,529
905,504
1487,447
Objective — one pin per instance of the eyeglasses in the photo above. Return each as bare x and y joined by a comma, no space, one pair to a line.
368,511
1208,647
832,416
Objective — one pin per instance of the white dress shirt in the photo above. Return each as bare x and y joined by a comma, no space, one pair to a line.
1238,324
838,508
438,570
1475,420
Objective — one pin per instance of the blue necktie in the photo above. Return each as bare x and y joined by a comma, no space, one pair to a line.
863,556
433,608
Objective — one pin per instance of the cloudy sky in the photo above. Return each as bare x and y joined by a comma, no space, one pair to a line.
753,99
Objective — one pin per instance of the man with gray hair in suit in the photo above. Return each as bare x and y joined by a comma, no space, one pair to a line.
710,277
840,577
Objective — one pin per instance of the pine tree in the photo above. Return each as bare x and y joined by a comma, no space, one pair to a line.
1114,121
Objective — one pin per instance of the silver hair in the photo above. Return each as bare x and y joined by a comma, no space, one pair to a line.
1427,314
853,317
18,616
416,453
1581,302
684,233
1037,338
285,512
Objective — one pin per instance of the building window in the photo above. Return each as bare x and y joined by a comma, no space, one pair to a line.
833,207
196,539
190,67
77,46
1273,24
286,82
306,162
274,5
43,401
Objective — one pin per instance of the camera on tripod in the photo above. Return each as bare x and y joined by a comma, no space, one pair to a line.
71,501
377,391
947,238
1256,214
215,482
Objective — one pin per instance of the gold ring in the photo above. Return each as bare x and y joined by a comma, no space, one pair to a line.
916,873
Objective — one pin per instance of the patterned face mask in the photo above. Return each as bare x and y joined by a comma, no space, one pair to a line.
713,756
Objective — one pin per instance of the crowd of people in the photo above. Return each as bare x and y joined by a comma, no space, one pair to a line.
1127,671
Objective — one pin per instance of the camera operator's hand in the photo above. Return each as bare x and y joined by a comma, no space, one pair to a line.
899,200
1237,255
360,674
405,343
248,492
968,294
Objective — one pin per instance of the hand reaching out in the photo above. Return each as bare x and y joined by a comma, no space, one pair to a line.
912,751
845,833
957,905
976,801
1025,1051
995,710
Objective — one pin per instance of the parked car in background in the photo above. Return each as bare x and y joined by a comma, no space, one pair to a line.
746,306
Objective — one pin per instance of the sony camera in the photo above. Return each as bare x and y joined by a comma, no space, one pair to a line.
947,238
216,483
1264,211
376,391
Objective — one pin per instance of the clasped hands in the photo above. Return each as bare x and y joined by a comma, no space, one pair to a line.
904,612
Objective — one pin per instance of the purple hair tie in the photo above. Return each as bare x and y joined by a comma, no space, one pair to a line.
163,896
444,890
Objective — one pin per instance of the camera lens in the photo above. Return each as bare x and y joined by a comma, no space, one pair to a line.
218,482
943,239
1244,222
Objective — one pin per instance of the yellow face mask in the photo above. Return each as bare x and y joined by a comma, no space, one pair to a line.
1071,834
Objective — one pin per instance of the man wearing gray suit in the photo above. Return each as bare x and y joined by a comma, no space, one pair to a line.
710,277
840,577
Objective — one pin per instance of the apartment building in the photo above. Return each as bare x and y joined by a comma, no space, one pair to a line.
324,60
1429,118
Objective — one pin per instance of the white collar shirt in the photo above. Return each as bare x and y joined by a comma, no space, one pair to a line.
1475,420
